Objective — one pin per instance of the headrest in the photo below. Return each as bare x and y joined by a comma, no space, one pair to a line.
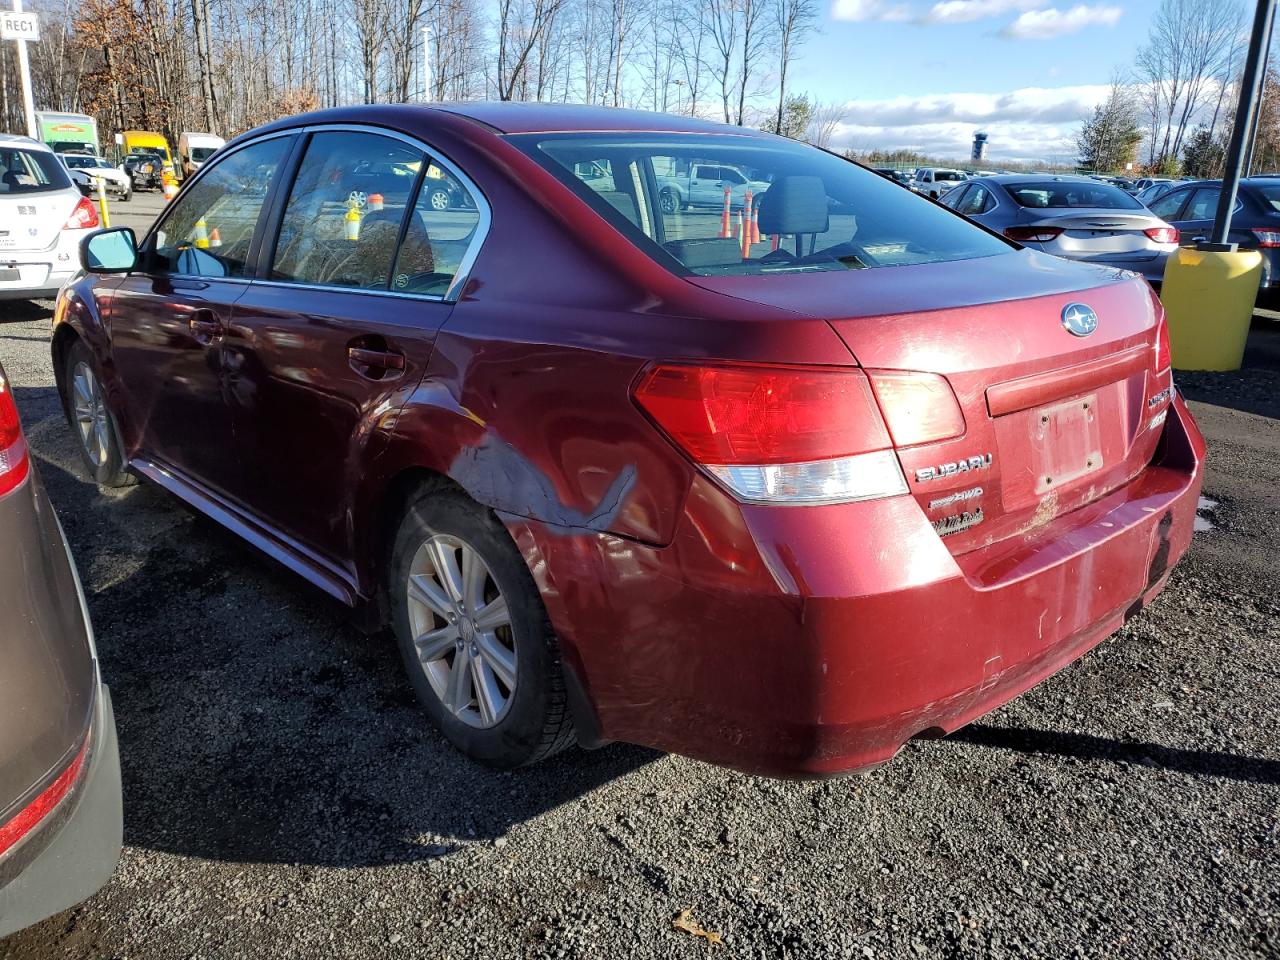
794,205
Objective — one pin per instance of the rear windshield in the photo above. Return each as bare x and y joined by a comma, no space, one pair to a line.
1071,193
697,204
948,175
30,171
1270,197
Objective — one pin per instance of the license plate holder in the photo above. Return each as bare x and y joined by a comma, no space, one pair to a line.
1067,442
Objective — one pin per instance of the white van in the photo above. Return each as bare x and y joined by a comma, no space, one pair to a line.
194,149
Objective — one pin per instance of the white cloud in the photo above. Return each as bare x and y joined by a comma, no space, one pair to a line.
1034,123
966,11
859,10
1042,24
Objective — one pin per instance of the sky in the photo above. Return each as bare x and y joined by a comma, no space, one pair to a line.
926,74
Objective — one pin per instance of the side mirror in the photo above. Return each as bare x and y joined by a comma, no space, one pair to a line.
109,251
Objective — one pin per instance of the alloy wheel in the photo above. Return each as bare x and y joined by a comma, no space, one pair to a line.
90,409
439,200
462,631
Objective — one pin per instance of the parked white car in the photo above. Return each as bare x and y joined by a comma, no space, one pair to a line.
43,218
935,181
86,169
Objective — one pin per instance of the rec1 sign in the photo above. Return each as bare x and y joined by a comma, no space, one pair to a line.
19,26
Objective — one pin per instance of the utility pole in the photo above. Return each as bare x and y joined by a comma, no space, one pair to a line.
24,69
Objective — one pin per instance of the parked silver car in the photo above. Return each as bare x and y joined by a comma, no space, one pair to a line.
60,817
1078,218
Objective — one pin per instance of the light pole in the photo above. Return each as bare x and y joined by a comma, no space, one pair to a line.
24,68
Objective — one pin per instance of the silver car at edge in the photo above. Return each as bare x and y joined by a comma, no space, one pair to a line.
1074,217
60,810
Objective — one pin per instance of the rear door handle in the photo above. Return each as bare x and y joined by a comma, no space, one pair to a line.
375,359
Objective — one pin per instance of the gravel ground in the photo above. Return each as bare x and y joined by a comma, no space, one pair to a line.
284,797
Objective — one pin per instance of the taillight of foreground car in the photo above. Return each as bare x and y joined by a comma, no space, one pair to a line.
1163,234
1033,234
777,434
29,817
84,216
14,460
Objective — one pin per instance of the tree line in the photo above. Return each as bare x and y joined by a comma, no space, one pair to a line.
1171,112
226,66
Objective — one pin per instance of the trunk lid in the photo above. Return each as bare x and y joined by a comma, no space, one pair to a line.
1053,420
32,221
1098,232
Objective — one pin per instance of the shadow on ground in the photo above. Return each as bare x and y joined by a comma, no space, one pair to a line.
1085,747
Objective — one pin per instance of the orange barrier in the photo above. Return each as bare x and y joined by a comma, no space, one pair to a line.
755,224
726,229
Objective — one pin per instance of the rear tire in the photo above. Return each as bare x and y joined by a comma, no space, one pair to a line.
96,433
669,201
461,594
439,199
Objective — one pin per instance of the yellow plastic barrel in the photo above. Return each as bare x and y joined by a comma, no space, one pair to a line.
1208,296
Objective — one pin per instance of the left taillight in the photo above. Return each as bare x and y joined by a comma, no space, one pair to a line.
1163,234
777,434
14,459
83,217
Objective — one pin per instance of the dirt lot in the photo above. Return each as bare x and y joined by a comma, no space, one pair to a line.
284,796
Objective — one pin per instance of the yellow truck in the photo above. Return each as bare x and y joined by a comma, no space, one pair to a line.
139,141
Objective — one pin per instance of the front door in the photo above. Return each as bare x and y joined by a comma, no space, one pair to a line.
338,332
167,320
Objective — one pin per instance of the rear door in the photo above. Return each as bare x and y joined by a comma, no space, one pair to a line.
168,319
338,328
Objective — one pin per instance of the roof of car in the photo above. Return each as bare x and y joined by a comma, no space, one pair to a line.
13,139
512,117
1009,178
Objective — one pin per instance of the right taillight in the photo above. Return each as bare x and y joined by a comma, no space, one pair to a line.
1033,234
1164,352
14,460
1162,234
30,816
1266,238
777,434
84,216
918,407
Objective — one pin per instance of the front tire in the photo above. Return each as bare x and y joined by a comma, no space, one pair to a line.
669,201
474,635
97,436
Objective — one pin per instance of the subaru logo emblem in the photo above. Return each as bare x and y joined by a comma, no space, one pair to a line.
1079,319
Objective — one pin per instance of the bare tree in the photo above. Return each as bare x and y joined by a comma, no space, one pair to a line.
793,22
824,120
1189,46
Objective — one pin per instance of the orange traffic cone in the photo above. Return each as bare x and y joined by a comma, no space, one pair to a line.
215,238
744,235
726,229
755,224
776,239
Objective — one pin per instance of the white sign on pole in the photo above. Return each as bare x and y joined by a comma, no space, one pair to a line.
19,26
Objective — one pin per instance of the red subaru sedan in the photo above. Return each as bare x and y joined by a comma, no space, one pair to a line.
666,432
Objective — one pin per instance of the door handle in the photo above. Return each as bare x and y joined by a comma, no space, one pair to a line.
205,326
366,361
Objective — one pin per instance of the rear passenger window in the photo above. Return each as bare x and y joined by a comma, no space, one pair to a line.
342,223
209,228
440,228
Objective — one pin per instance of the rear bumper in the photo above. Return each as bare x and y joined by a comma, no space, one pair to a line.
42,272
80,855
815,641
